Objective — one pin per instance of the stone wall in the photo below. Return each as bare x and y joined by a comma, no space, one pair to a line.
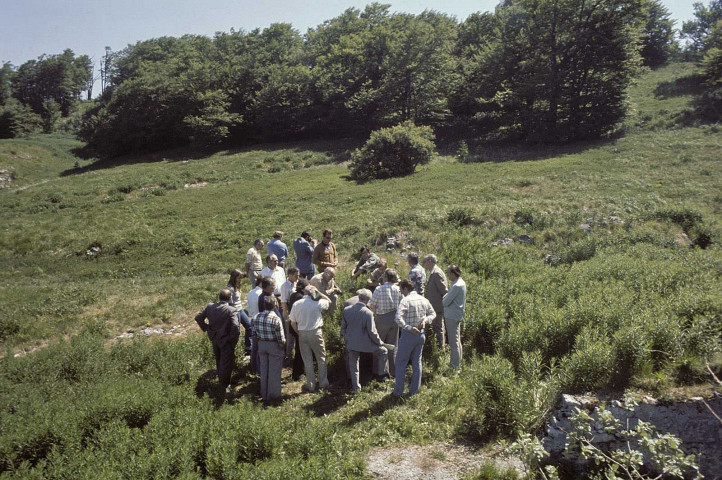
691,421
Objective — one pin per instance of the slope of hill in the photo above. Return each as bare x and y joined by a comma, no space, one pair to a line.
93,249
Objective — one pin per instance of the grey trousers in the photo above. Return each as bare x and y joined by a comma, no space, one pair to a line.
453,330
380,356
311,343
389,333
437,324
270,364
252,276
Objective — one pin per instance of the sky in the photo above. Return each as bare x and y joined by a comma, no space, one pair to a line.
30,28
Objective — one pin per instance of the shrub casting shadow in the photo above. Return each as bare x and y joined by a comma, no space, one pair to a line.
689,85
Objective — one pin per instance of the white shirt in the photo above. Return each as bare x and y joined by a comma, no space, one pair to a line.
307,313
278,276
252,304
286,290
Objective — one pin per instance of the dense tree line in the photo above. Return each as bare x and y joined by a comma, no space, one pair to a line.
41,91
705,35
539,70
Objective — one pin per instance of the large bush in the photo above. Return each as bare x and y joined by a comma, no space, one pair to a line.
393,152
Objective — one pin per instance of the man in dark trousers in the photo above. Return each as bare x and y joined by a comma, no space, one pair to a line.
220,322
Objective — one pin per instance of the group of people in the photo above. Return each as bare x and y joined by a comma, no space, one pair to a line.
283,319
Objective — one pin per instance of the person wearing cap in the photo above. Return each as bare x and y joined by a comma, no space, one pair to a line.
454,306
307,320
278,248
413,314
220,322
417,276
359,332
384,302
326,284
436,288
324,255
303,246
254,261
274,271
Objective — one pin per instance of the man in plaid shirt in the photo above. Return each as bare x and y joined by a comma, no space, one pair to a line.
413,313
268,329
384,302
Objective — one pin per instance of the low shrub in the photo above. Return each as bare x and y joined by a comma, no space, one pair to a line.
393,152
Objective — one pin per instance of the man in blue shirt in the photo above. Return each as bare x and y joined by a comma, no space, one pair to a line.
278,248
303,246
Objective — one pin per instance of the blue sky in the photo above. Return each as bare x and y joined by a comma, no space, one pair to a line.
29,28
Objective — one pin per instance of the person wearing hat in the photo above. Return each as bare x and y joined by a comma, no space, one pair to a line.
278,248
303,246
359,332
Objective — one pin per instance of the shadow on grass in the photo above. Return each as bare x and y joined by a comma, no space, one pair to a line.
337,150
689,85
375,409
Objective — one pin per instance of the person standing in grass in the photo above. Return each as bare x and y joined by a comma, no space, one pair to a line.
254,262
454,306
436,288
234,285
220,321
417,276
274,271
384,302
324,255
286,290
303,246
413,314
359,332
268,328
307,320
297,365
278,248
252,306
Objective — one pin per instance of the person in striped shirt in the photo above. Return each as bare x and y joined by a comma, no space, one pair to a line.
413,314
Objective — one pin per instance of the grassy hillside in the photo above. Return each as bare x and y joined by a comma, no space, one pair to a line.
636,303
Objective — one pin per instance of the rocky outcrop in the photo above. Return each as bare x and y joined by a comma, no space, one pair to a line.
693,421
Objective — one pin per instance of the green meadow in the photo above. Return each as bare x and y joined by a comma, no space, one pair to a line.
90,249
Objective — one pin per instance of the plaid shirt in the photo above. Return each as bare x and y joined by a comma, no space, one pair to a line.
414,311
417,276
386,298
267,326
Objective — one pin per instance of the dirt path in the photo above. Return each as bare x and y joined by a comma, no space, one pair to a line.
438,461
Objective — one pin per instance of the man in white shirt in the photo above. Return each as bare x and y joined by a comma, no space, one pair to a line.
252,307
307,319
287,289
275,272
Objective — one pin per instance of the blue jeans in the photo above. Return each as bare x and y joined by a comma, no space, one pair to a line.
411,347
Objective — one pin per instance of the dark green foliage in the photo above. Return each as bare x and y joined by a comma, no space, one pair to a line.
393,152
460,216
52,84
17,120
699,29
657,34
548,71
